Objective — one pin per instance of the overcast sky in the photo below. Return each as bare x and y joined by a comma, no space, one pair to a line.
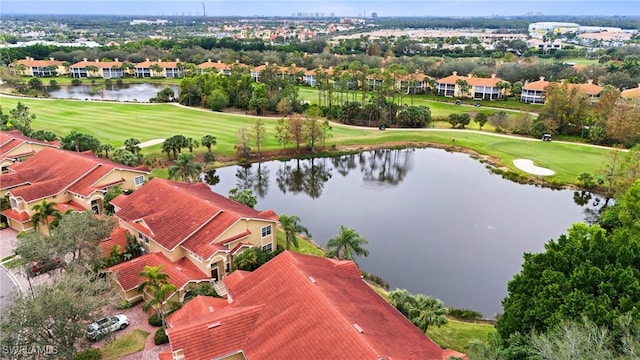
339,8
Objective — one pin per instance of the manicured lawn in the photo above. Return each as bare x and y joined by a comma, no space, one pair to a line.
304,247
125,345
114,122
456,334
578,61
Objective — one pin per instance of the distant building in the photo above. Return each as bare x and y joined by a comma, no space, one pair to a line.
148,22
540,29
374,15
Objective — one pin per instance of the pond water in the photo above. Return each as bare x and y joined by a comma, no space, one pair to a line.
113,92
438,223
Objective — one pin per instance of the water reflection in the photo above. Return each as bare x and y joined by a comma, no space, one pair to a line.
113,92
255,179
438,223
300,176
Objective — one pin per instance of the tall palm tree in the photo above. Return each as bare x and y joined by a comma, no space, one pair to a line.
208,141
291,225
132,144
158,287
106,148
425,311
42,213
185,168
347,244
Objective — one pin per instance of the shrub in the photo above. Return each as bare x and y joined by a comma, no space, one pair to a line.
209,157
76,82
160,337
465,314
90,354
375,279
155,320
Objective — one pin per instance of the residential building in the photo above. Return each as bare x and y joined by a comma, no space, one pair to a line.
476,88
97,68
297,307
15,147
166,69
182,274
215,66
191,222
633,93
31,67
75,181
535,92
542,29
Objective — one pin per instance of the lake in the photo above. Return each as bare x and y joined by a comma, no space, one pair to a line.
438,223
113,92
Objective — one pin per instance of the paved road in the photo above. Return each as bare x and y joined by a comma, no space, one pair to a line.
7,287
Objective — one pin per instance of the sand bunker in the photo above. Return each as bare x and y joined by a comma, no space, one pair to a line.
526,165
151,142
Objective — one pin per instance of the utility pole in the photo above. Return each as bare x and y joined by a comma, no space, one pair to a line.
204,11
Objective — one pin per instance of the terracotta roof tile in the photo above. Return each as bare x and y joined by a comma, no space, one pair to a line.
118,237
52,171
180,272
473,81
38,63
21,217
99,64
631,93
10,140
199,309
177,213
296,294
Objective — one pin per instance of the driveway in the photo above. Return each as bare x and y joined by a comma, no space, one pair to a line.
138,320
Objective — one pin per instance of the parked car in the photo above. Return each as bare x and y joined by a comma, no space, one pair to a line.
458,102
477,105
105,326
44,266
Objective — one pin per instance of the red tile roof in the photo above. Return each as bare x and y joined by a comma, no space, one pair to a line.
541,85
180,272
196,310
10,140
37,63
175,213
303,307
472,81
163,64
99,64
52,171
631,93
21,217
218,65
118,237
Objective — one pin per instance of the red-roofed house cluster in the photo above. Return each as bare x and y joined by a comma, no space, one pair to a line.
297,307
294,307
40,171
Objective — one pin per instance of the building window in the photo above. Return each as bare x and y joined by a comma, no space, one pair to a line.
14,203
139,180
266,231
267,247
227,267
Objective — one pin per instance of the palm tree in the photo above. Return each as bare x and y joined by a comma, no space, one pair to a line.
347,244
42,213
463,87
192,143
425,311
208,141
157,286
132,144
106,148
291,225
185,168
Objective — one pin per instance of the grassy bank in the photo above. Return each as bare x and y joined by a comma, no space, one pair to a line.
457,334
114,122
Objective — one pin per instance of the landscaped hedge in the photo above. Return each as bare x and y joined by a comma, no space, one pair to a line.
155,320
160,337
90,354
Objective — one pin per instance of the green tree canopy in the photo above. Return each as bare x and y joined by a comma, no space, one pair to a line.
588,272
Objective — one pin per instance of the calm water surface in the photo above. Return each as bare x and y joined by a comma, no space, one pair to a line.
437,223
113,92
